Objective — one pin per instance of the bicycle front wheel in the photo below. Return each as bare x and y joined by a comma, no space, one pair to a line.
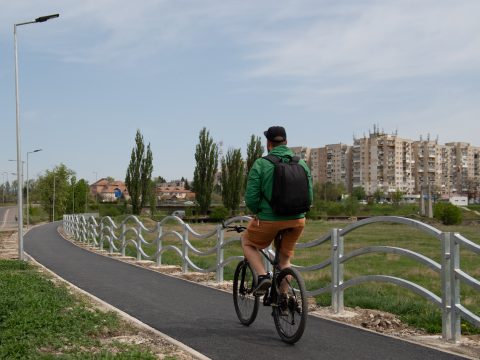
291,309
244,281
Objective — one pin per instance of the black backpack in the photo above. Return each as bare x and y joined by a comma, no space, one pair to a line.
290,194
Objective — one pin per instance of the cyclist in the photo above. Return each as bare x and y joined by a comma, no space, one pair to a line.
262,229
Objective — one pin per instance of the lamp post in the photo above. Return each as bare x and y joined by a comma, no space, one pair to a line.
53,207
19,152
4,185
18,183
96,187
28,185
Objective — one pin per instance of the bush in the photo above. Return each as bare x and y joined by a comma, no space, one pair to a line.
447,213
350,206
219,213
37,215
111,210
334,208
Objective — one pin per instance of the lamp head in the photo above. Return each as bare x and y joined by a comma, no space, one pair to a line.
47,17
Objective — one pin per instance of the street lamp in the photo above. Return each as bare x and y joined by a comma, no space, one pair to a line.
28,185
53,207
19,152
96,187
4,185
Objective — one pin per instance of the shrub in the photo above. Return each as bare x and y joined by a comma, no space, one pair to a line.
447,213
219,213
111,210
350,206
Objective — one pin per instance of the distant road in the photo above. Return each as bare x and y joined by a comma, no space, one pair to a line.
8,219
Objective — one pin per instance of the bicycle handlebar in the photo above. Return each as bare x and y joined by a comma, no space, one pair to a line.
237,228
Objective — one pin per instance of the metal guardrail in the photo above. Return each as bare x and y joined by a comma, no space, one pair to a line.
118,237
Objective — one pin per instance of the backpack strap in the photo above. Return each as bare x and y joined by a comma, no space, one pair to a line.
274,159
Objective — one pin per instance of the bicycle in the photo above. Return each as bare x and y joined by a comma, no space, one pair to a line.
289,312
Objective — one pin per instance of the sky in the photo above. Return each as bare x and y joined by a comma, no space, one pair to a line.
326,70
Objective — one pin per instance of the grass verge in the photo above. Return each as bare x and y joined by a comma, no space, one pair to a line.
42,320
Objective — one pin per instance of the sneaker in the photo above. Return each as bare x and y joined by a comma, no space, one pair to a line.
264,283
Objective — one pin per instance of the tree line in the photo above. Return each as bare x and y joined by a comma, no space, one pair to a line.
59,192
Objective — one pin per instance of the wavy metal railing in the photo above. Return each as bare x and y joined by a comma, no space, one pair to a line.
104,233
130,232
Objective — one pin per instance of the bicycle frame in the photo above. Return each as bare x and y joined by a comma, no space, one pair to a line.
270,297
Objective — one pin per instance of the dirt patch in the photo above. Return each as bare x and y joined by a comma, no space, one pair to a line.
8,245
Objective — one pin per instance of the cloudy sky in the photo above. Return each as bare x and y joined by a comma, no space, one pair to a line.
326,70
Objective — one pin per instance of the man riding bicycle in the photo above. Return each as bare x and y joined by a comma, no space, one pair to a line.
263,228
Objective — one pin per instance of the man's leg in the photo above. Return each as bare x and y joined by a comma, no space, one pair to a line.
254,258
284,263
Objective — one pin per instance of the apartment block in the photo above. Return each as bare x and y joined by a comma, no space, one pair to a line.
462,167
431,167
382,162
386,162
338,168
317,163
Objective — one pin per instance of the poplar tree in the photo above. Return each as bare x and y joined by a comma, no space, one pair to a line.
255,150
232,179
206,158
139,174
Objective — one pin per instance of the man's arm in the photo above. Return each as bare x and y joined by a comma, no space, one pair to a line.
310,181
253,194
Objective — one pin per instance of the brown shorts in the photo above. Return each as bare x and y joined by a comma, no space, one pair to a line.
261,233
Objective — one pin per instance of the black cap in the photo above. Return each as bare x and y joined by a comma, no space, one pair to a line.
276,134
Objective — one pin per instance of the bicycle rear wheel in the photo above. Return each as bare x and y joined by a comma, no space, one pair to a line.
244,281
290,312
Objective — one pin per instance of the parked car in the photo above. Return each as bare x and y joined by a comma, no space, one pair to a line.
179,213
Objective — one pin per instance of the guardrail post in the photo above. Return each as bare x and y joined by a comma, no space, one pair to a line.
159,244
185,250
139,243
220,241
337,271
101,237
122,238
446,287
455,289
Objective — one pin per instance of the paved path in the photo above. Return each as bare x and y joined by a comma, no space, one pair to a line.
204,318
8,219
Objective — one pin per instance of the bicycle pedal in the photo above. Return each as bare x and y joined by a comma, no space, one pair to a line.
266,300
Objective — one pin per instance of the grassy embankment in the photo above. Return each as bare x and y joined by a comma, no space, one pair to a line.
41,320
410,307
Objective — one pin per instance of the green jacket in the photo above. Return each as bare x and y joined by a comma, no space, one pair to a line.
260,181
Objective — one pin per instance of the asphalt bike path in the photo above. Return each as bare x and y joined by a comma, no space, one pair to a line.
204,318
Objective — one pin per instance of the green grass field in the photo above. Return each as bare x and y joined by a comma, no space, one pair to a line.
40,320
411,308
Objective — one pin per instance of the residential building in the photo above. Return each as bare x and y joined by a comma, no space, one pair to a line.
429,171
382,162
388,163
108,190
338,165
174,193
317,163
462,166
